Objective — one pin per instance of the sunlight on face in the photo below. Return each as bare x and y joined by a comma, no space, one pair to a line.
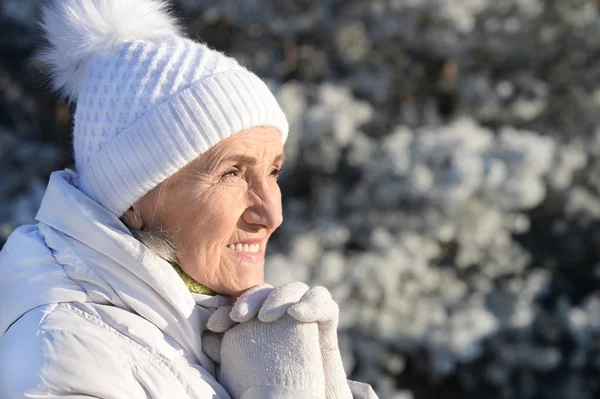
221,209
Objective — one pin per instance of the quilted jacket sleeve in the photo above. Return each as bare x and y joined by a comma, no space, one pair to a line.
56,352
55,363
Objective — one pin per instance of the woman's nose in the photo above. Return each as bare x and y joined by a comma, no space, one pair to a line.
265,209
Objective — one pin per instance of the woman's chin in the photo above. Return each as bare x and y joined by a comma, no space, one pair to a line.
238,290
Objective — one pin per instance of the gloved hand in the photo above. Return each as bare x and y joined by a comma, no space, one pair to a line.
303,304
260,356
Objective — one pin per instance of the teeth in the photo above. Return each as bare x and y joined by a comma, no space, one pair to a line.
252,248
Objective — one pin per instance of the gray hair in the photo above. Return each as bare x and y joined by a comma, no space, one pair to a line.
158,242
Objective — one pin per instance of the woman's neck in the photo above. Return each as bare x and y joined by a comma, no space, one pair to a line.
192,285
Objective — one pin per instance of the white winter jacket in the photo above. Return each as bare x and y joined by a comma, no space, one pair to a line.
87,311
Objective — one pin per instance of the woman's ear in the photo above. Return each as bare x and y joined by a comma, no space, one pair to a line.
132,219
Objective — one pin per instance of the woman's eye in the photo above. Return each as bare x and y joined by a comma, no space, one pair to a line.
275,172
232,173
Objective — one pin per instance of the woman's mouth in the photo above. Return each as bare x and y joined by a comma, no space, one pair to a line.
251,251
250,248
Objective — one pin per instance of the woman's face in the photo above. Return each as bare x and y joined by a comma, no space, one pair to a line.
221,209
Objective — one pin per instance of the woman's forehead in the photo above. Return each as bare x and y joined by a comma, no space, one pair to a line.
248,147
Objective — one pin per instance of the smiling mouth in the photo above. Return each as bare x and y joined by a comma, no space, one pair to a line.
249,248
253,252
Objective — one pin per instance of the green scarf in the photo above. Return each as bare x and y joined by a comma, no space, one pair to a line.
194,286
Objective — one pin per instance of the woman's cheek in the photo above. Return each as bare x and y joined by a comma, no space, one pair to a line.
224,203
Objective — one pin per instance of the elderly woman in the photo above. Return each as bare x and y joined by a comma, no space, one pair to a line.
143,277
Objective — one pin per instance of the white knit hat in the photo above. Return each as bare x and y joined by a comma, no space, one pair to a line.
148,100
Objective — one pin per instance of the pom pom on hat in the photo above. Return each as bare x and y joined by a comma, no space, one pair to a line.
79,29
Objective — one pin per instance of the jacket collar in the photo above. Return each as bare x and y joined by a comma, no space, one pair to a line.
117,267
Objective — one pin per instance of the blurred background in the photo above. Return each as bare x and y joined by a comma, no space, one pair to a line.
443,177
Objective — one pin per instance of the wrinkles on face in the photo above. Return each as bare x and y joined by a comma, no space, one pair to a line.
227,195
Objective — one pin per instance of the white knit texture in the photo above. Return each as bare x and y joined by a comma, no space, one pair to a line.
282,353
147,107
304,304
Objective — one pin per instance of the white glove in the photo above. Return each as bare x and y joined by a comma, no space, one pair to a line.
305,305
283,353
